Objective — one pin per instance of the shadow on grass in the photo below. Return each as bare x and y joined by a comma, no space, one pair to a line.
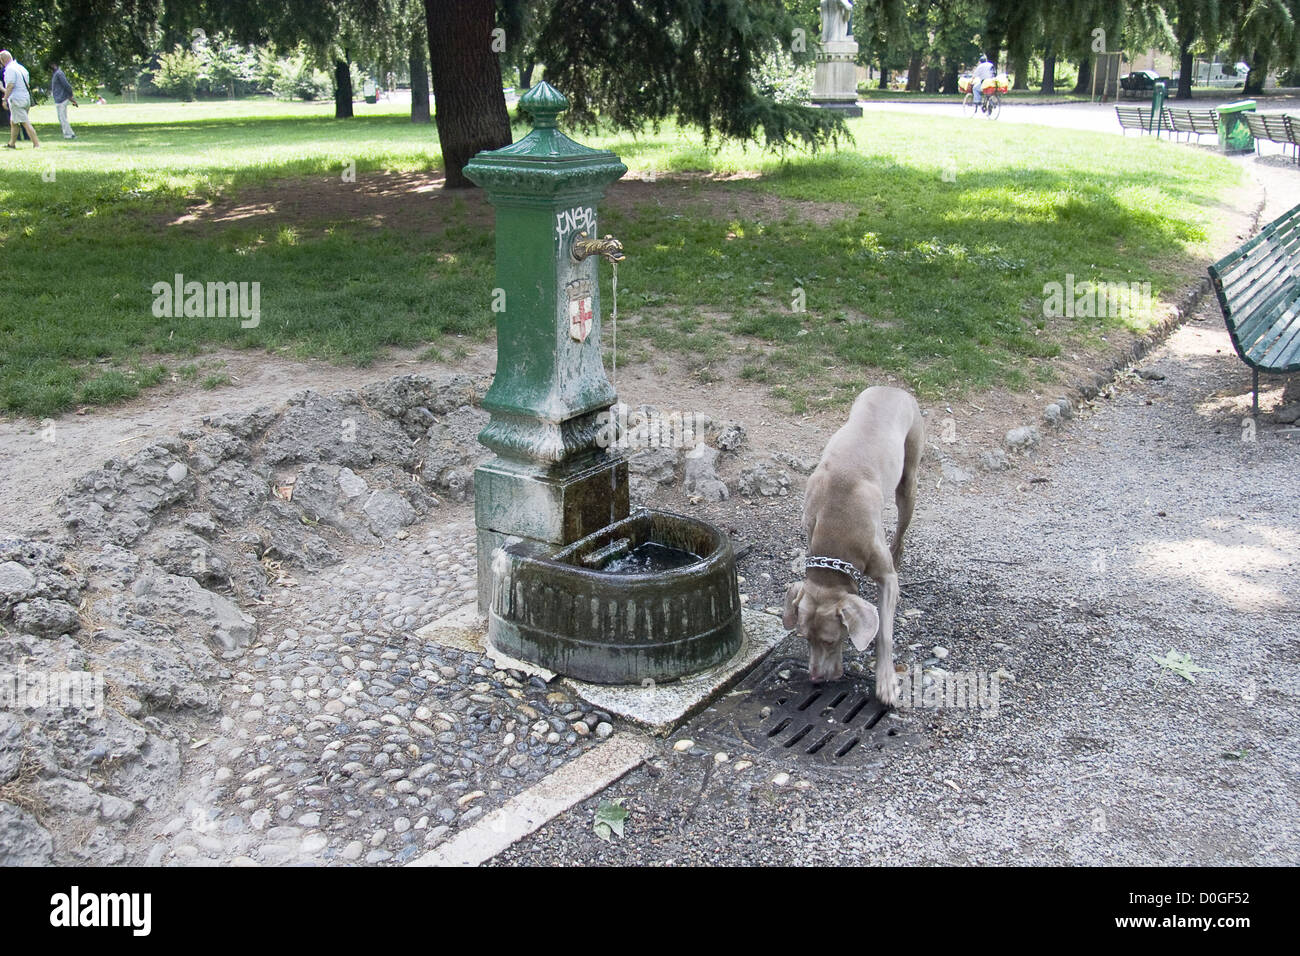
938,280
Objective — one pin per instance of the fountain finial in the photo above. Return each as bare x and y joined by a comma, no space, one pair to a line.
544,102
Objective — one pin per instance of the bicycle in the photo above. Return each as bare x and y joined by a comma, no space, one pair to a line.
990,105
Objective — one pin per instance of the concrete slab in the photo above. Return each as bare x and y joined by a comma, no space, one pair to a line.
529,811
466,630
658,707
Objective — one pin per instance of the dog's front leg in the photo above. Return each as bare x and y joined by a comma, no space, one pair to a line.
886,680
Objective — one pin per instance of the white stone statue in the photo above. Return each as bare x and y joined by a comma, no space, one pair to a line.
835,19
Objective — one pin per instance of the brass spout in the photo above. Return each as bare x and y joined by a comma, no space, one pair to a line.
609,248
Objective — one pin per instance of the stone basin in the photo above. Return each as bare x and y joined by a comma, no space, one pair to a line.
651,597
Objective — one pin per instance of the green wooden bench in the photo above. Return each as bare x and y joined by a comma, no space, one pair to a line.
1196,123
1133,117
1258,286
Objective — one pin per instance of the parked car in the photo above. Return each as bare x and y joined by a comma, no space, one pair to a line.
1139,81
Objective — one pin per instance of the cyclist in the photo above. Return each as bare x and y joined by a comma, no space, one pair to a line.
984,71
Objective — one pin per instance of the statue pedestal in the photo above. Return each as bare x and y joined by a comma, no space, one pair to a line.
835,84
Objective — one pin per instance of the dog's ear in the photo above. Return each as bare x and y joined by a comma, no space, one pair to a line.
790,617
860,620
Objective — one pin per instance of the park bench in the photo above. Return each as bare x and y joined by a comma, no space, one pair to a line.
1274,127
1193,122
1258,286
1134,117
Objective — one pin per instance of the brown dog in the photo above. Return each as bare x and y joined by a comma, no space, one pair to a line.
876,451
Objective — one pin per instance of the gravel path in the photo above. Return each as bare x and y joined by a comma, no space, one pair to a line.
1150,523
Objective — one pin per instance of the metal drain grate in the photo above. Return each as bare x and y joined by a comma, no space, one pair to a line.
778,710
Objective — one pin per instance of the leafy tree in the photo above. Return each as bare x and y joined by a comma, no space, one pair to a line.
632,61
1266,35
178,73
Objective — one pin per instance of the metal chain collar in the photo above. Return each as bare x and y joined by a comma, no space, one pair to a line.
835,564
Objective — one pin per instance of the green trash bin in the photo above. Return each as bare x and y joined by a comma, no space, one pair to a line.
1234,134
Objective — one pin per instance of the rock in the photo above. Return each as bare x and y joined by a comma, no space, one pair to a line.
1287,414
246,425
188,555
114,809
46,618
335,429
16,582
211,449
388,512
1151,375
1052,414
657,464
994,460
160,675
701,474
353,850
178,472
955,473
764,482
804,466
116,504
1025,436
1064,404
683,745
201,523
23,841
781,779
452,451
939,651
223,624
333,495
235,492
728,435
604,729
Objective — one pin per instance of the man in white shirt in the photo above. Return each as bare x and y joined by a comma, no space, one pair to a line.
984,71
17,98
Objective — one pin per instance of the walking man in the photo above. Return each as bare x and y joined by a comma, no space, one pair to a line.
17,99
61,90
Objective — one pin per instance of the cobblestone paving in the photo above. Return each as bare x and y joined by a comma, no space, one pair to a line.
346,739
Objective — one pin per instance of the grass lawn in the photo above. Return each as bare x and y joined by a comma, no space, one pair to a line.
931,267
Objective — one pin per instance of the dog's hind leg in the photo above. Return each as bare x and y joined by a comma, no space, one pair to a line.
905,493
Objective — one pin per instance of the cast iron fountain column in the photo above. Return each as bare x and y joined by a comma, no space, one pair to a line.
551,483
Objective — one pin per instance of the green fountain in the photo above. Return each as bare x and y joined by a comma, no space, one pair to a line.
566,576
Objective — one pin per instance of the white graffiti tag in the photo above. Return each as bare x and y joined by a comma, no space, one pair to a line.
577,219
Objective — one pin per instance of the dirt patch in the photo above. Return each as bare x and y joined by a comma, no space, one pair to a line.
416,202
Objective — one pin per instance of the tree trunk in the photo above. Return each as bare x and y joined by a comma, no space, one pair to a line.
1255,78
419,79
950,80
1083,87
526,78
342,90
1049,69
1186,66
914,72
933,79
884,76
1021,70
470,104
